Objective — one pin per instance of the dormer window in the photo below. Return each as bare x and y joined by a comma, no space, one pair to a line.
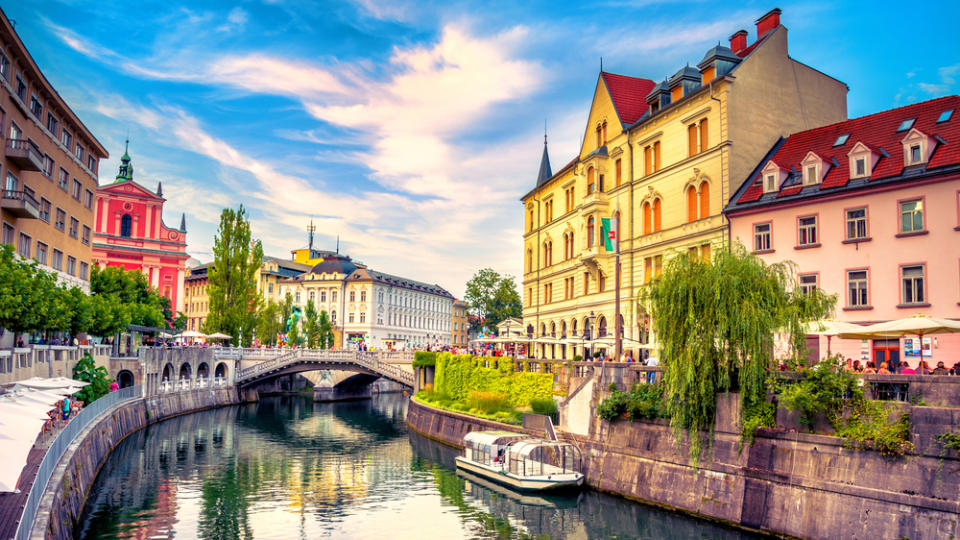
860,167
769,183
772,176
917,147
906,124
862,160
915,155
945,115
810,176
813,168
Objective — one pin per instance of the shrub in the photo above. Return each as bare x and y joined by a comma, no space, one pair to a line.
546,406
488,402
643,401
870,427
824,389
424,359
577,358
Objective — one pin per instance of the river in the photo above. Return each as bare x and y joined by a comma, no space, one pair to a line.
290,468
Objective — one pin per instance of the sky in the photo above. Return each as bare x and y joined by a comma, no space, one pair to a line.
410,129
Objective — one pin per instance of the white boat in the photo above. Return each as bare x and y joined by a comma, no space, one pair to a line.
521,462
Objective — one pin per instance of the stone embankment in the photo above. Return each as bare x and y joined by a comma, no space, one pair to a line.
67,490
786,483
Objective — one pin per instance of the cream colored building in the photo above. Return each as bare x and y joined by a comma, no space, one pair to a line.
666,156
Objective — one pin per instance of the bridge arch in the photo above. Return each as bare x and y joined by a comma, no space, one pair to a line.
167,372
186,371
125,378
203,371
221,370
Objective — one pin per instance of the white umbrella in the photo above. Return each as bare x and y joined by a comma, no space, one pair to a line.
915,325
219,335
192,334
830,328
52,383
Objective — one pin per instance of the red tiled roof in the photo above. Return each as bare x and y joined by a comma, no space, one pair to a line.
877,131
629,95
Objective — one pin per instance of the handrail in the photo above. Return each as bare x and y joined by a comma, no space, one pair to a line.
372,361
59,446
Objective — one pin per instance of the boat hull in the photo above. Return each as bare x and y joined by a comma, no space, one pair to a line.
530,484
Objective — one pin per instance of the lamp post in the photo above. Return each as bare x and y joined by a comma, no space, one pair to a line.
588,332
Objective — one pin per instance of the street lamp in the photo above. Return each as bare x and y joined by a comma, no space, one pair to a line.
588,331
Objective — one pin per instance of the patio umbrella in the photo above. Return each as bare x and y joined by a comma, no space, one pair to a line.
916,325
192,334
830,328
219,335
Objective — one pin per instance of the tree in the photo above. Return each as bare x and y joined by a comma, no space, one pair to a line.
286,310
23,306
311,325
326,330
128,299
97,376
232,285
715,322
493,297
269,323
293,334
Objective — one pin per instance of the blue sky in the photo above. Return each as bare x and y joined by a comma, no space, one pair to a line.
411,129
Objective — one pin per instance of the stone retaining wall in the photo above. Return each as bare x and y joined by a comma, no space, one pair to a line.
786,483
67,490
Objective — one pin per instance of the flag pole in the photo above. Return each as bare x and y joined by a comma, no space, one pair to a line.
618,329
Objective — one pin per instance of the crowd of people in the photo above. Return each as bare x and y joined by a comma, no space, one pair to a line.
904,369
60,414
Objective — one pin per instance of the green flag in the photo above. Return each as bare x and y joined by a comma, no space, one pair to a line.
609,231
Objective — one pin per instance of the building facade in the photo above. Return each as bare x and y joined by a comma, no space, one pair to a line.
460,327
131,234
48,169
663,158
196,302
869,210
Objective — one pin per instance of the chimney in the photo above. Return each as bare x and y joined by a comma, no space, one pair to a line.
768,22
738,41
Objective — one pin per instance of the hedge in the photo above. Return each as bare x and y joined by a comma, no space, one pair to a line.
457,375
424,359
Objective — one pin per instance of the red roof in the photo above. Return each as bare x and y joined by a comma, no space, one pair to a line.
629,95
877,131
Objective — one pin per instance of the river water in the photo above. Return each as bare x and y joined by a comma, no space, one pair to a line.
290,468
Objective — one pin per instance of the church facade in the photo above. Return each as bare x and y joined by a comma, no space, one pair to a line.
130,233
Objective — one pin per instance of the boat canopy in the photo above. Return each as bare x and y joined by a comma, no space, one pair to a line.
490,438
540,457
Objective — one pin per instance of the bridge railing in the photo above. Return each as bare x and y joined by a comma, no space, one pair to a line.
377,362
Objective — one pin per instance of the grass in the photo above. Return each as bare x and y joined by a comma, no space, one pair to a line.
486,405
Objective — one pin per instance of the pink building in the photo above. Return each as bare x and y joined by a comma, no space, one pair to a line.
869,210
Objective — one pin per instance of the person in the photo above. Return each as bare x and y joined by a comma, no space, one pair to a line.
114,386
955,370
857,368
924,368
66,409
870,367
940,369
883,369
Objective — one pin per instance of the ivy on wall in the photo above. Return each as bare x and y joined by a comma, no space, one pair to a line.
458,375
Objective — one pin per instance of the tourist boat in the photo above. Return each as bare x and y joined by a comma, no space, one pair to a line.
521,462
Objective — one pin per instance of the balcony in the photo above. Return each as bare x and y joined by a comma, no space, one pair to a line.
25,154
593,254
20,204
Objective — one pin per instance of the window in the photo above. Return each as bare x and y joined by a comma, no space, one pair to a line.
570,198
842,139
547,293
762,237
945,115
704,200
656,156
52,124
45,210
323,296
911,216
530,222
48,166
41,253
91,163
72,266
857,288
63,180
79,152
811,176
126,226
586,283
807,231
691,204
591,235
333,296
770,183
12,182
618,167
74,227
657,265
363,316
656,214
808,283
7,236
906,124
21,89
296,297
88,199
704,253
856,223
860,166
350,317
601,282
548,206
591,184
36,107
647,218
4,67
56,262
353,296
915,155
647,160
61,222
704,135
84,270
66,138
911,288
692,140
23,248
77,188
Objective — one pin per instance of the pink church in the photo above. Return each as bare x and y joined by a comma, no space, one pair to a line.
869,210
130,233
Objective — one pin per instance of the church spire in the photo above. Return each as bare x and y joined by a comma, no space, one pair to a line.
183,222
126,169
545,172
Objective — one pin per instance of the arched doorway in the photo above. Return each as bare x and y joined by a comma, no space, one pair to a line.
220,372
185,371
203,373
167,372
125,378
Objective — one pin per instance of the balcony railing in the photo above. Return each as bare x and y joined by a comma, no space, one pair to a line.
20,204
25,154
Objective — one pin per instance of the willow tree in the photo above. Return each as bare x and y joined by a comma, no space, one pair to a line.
715,322
232,281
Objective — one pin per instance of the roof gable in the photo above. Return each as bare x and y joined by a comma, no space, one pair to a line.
129,187
628,94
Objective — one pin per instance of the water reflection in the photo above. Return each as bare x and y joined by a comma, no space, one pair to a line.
287,467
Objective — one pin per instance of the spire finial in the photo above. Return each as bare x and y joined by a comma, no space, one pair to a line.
310,230
601,64
126,169
544,131
183,222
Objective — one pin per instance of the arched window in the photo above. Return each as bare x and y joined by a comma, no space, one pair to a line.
570,239
590,181
656,214
543,329
691,203
604,132
529,260
573,327
590,233
126,225
599,141
563,329
704,199
646,218
553,329
602,327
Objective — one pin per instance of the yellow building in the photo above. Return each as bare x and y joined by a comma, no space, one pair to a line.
460,323
666,156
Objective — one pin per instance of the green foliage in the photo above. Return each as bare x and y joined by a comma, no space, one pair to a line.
577,358
97,376
325,330
950,440
489,405
757,415
871,426
493,297
232,285
139,303
424,359
824,389
716,322
457,375
311,325
488,402
642,401
545,406
269,323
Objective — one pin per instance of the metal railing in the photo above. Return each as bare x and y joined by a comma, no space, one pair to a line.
59,446
21,196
